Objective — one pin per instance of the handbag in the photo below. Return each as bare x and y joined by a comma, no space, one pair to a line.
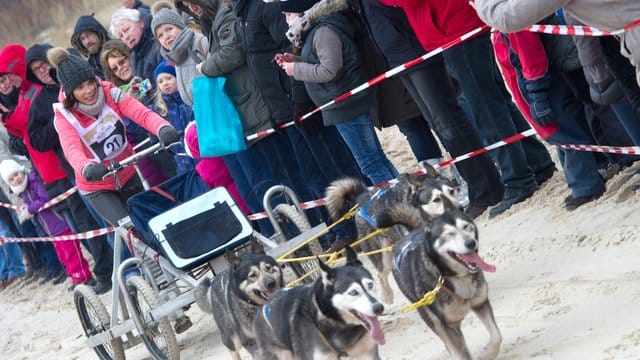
218,124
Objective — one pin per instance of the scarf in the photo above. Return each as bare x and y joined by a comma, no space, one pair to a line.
95,109
180,49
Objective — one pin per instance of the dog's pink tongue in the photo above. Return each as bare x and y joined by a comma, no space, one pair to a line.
376,333
474,258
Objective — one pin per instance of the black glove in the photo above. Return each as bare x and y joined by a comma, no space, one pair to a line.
310,125
168,135
94,172
540,107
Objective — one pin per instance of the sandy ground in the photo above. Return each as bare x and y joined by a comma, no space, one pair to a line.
566,287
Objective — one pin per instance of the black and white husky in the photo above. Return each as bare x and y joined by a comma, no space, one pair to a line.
430,194
236,295
336,316
445,249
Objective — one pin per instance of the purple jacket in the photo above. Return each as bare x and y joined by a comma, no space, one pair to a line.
35,196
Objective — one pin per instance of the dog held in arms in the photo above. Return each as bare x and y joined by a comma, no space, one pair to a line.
336,316
445,250
236,295
430,194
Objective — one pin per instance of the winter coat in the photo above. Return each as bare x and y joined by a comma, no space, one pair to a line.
42,134
349,76
13,60
437,22
179,115
145,56
392,102
262,31
226,58
34,196
528,47
89,23
183,56
79,154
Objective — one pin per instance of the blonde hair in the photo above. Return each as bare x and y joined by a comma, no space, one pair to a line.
161,105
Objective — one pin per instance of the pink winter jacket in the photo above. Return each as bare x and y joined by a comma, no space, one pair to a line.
212,170
80,156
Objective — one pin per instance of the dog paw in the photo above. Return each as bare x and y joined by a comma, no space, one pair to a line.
488,352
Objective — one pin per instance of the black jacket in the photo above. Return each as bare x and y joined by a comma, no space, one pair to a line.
40,128
262,27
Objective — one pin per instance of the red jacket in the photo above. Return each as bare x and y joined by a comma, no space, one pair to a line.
437,22
13,60
79,155
534,62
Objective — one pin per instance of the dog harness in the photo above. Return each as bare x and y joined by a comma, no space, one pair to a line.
364,210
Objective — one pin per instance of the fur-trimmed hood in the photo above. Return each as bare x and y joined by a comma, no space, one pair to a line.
311,17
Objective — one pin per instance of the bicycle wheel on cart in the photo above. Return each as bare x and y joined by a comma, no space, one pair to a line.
158,335
290,217
95,319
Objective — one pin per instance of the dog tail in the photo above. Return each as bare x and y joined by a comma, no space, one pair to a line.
342,194
203,296
400,214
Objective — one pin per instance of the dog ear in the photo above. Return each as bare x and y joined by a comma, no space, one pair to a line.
232,259
326,269
352,257
256,246
429,170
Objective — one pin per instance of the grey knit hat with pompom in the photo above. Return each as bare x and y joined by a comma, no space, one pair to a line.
72,69
164,13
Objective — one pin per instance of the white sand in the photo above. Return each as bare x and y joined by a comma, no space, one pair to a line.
566,287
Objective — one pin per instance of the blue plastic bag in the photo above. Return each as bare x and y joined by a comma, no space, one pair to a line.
217,121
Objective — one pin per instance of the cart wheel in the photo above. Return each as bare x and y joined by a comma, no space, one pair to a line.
95,319
289,213
158,335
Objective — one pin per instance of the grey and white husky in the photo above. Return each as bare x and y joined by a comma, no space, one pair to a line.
445,249
236,295
336,316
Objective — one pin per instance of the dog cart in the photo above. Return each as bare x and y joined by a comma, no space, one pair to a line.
176,233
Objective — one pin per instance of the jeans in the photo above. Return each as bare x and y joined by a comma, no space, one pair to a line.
361,138
431,88
44,249
10,255
495,115
580,167
420,138
630,120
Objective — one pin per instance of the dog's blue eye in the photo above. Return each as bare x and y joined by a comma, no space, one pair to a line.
353,292
370,286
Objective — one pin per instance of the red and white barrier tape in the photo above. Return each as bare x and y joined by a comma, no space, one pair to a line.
577,30
621,150
79,236
49,203
396,70
509,140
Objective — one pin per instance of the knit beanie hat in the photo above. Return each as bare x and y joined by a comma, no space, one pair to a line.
163,13
164,67
296,6
9,167
72,69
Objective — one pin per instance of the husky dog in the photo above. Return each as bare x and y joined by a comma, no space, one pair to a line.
431,194
234,296
446,248
336,316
